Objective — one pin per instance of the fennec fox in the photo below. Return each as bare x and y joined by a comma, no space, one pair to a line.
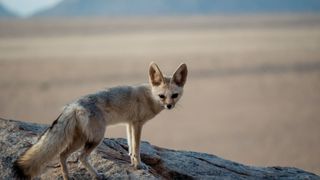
82,124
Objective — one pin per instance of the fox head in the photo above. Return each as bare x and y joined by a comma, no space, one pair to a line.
167,90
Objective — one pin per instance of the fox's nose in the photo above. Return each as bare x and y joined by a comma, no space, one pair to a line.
169,106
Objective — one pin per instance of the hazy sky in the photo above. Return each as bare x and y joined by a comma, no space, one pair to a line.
27,7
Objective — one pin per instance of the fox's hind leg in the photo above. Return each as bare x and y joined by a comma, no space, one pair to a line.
93,125
75,145
88,148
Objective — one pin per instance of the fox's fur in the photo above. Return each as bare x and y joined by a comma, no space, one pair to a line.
83,122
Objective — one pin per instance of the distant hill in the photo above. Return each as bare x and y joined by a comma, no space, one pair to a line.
5,12
176,7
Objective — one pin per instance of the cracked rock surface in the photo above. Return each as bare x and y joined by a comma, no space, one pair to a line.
111,159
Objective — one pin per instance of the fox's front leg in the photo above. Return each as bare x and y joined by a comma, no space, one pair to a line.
129,138
135,157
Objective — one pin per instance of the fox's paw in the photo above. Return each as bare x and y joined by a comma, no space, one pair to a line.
141,166
99,176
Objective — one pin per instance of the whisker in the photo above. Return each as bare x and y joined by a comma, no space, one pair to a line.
178,106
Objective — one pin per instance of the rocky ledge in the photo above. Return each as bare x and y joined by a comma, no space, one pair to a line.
111,159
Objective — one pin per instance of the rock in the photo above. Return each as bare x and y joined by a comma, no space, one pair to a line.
111,159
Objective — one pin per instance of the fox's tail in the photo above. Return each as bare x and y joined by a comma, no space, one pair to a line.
54,140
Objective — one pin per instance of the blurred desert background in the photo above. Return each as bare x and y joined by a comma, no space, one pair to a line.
252,94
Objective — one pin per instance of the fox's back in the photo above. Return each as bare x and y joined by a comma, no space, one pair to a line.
116,96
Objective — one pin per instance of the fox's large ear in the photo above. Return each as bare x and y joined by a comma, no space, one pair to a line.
180,76
155,75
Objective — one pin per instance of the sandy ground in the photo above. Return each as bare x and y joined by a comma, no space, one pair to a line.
253,93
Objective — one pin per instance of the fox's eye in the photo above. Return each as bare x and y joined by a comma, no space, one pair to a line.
161,96
175,95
